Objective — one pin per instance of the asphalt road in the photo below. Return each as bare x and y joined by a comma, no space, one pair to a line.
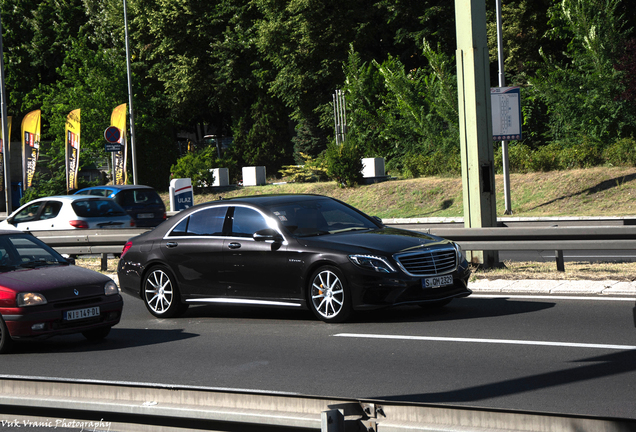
565,356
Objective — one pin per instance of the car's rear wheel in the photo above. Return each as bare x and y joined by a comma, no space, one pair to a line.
6,343
329,297
96,334
161,294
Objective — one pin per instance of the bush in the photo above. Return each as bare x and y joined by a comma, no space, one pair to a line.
436,163
314,170
344,163
621,153
197,165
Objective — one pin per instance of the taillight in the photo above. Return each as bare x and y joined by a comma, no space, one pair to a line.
78,224
132,223
165,216
127,246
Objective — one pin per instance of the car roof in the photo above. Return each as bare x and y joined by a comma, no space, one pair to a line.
267,200
69,198
117,187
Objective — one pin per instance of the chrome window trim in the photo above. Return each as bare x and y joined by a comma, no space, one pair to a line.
167,235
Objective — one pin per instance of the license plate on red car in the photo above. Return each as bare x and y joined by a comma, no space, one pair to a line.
81,313
437,282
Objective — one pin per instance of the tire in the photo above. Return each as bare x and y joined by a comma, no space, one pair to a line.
435,304
329,297
6,343
161,294
96,334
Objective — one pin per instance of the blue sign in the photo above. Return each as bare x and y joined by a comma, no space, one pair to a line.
113,147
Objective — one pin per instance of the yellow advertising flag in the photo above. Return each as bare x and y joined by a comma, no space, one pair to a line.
2,151
72,149
118,119
30,146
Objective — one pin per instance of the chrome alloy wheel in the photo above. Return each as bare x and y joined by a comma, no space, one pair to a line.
158,292
327,294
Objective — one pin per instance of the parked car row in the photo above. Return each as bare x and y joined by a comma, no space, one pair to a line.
95,207
286,251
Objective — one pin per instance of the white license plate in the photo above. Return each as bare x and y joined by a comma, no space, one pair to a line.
438,281
81,313
146,215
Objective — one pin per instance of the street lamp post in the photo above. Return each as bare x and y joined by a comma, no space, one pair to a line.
5,130
130,102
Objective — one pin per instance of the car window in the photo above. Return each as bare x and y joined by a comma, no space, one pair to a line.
320,217
50,210
207,222
27,214
99,192
138,196
97,208
25,251
247,221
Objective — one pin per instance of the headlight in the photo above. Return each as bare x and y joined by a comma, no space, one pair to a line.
460,252
30,299
111,288
371,262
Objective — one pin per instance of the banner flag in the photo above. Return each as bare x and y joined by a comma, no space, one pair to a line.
2,152
72,146
118,119
30,146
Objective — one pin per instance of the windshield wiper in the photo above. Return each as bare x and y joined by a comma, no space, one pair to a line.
350,229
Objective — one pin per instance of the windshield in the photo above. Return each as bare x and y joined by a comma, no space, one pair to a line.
319,217
24,251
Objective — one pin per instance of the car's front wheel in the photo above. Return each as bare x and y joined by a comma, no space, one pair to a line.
6,343
329,297
161,295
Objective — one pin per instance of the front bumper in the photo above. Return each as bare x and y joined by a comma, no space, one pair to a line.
50,318
372,291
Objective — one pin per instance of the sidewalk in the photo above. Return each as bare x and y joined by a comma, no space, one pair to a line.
608,288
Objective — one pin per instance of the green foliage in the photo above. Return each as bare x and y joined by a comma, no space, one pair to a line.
621,153
344,163
197,165
582,92
434,164
313,170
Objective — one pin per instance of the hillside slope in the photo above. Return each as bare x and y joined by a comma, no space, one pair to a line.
600,191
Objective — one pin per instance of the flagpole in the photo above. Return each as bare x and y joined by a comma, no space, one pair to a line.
5,131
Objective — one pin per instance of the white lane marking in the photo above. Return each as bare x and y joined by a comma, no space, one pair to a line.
554,297
490,341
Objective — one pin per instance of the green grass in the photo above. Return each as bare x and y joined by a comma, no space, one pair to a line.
597,191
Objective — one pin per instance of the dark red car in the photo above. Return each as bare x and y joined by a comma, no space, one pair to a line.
42,294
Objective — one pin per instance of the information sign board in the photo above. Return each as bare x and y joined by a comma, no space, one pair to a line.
506,113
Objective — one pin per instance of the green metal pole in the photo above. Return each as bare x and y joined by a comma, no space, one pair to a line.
473,78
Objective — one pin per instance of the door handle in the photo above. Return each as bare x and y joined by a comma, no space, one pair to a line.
234,245
172,244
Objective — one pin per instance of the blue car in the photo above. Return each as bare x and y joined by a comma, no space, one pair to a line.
142,203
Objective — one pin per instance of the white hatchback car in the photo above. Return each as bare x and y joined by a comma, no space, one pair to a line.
65,212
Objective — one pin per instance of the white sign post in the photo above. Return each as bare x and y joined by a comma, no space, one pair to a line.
181,196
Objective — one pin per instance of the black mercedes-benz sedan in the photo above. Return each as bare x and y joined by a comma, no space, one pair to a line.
294,251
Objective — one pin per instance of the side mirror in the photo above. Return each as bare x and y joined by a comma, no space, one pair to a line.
268,234
378,220
10,220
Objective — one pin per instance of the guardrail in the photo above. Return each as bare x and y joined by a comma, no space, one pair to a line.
104,241
103,405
